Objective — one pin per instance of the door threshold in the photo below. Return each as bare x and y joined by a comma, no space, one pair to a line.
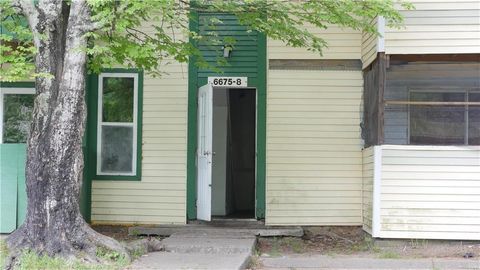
229,222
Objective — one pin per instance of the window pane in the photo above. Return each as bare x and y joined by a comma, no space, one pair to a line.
17,116
117,149
118,99
437,125
474,120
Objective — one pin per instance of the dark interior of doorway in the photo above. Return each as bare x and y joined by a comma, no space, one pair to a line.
234,130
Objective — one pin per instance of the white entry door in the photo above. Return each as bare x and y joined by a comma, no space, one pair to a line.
204,152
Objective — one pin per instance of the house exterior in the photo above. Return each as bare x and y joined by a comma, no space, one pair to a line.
380,132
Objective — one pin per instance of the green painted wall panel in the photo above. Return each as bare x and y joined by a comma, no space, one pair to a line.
8,189
12,186
245,45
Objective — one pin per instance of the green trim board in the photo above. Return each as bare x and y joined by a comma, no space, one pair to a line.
248,60
86,191
92,126
192,125
261,126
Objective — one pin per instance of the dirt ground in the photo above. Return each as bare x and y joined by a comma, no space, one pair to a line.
338,241
118,232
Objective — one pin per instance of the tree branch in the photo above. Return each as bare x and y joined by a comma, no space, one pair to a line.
29,11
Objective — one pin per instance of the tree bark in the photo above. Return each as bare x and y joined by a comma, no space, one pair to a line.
54,225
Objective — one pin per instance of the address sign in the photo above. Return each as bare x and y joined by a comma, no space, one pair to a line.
228,81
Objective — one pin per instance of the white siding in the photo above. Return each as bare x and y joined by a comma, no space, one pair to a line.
430,192
160,196
437,27
367,188
314,157
369,46
342,44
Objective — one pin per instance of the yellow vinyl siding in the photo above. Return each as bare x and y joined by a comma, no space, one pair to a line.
342,44
430,192
160,196
314,158
437,27
369,46
367,188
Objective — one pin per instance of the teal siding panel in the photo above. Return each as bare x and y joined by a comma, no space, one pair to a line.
8,187
21,185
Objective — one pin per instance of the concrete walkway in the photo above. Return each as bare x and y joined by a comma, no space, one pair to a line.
346,262
201,250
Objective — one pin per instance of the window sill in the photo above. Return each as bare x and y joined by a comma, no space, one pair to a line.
137,177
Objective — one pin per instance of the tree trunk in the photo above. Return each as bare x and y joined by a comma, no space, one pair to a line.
54,225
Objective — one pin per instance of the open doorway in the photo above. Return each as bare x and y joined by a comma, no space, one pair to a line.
234,148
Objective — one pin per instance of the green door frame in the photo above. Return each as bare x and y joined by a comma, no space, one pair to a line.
193,85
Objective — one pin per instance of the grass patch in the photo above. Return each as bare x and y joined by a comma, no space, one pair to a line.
294,244
275,250
31,260
113,256
276,246
367,245
418,243
3,252
137,253
388,255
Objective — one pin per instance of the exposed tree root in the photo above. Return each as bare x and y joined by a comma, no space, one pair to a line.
145,245
81,244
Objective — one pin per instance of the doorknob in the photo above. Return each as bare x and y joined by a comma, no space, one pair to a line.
206,153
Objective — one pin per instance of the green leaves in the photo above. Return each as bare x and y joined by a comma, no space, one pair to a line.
145,34
140,34
16,49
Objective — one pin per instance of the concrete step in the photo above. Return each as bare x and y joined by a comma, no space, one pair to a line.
255,230
230,223
169,260
209,244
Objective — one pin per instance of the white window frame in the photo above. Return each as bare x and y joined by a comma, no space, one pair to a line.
100,122
11,90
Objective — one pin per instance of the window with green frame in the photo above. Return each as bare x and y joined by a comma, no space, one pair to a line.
119,125
16,107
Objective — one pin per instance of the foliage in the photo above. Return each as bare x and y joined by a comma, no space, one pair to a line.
3,252
17,117
111,255
31,260
118,99
165,35
389,255
16,49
